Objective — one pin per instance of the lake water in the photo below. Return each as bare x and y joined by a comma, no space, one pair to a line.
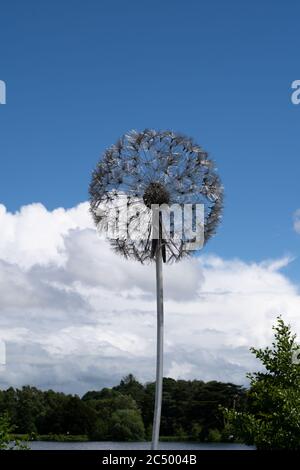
45,445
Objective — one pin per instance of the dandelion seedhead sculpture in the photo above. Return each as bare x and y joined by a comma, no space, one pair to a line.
137,186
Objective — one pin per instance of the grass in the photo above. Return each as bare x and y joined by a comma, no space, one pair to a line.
85,438
51,437
174,439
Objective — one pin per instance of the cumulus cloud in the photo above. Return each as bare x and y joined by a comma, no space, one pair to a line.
36,236
74,316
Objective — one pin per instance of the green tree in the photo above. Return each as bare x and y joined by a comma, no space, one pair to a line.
51,420
127,425
190,409
272,418
30,404
214,435
78,417
8,403
129,385
6,429
196,431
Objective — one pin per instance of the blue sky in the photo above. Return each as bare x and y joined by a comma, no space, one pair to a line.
79,74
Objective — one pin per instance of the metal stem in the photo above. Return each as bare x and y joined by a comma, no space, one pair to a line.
159,346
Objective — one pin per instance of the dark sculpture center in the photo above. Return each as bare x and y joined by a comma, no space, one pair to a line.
156,193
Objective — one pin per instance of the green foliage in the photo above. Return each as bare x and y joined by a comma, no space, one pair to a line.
180,433
62,437
272,417
214,435
6,442
118,416
125,412
192,406
130,386
196,432
127,425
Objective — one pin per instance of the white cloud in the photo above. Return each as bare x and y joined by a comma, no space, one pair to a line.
36,236
297,221
75,316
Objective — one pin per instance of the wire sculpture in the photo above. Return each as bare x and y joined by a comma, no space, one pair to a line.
140,180
150,167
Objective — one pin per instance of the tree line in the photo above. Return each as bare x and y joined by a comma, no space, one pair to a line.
267,414
191,410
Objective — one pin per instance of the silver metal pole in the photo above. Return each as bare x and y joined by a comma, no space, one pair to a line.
159,347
